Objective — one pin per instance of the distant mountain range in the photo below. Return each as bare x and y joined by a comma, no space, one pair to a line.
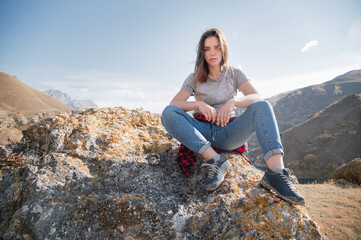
294,107
64,98
297,106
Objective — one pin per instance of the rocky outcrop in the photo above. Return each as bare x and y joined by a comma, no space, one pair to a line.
64,98
111,174
11,128
351,172
319,145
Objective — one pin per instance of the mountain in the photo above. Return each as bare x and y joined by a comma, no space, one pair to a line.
64,98
316,147
299,105
18,99
294,107
351,76
111,173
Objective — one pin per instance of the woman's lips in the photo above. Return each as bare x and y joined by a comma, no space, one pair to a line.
213,59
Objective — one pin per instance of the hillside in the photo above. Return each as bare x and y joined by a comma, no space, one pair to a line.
64,98
21,106
299,105
294,107
316,147
18,99
351,76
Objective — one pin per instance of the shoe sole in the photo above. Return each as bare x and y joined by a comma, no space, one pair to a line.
225,172
268,186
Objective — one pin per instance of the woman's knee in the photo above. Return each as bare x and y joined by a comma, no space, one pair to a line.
262,104
169,112
170,109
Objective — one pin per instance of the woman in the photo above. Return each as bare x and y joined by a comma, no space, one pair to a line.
214,85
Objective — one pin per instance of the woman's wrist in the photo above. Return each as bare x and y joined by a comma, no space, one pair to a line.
232,101
198,103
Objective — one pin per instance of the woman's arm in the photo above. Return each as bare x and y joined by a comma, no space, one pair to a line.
250,96
180,100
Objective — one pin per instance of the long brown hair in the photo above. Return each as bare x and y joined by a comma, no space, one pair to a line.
201,69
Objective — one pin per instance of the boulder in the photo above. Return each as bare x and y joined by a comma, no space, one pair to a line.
350,172
111,173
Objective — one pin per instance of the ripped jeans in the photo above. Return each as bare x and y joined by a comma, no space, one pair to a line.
198,136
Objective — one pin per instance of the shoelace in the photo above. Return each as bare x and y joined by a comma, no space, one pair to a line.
293,178
214,133
289,179
213,169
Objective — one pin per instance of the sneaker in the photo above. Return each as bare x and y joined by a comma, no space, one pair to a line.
216,172
282,184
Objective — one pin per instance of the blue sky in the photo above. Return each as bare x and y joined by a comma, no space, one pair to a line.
138,53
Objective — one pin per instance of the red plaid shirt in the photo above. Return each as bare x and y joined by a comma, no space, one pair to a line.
186,158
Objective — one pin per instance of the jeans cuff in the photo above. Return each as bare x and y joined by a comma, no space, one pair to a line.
204,147
271,152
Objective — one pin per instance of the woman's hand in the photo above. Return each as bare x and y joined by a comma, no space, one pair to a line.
224,113
208,111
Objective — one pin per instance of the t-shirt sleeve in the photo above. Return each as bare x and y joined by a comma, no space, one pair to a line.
189,84
240,77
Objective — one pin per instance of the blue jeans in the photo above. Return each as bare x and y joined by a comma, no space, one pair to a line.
198,136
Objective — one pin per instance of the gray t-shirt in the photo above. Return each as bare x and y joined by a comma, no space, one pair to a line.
216,92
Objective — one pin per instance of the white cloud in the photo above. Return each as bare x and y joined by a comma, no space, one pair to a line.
309,45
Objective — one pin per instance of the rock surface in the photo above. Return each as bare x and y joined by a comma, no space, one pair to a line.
111,174
351,172
11,128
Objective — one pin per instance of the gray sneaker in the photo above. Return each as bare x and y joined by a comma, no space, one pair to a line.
216,172
282,184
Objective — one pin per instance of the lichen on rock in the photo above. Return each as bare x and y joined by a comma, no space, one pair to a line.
111,173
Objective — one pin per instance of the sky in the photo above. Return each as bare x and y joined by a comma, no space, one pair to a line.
137,53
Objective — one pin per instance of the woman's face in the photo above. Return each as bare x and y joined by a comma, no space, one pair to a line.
212,51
